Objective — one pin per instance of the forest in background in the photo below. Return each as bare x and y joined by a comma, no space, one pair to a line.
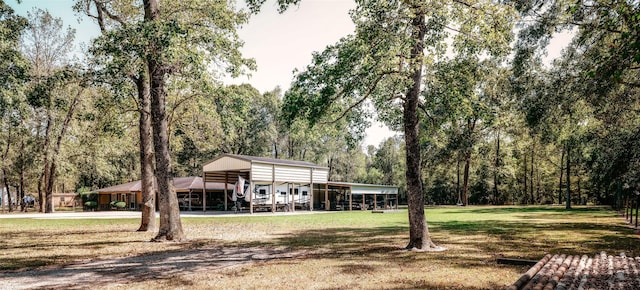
507,130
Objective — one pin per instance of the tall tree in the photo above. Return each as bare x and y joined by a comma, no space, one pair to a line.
175,38
54,93
384,62
118,66
13,75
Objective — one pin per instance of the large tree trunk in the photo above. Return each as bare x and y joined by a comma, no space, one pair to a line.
23,206
560,182
568,206
170,224
458,182
496,181
45,158
531,172
524,155
48,187
418,230
50,173
148,220
5,180
471,125
465,182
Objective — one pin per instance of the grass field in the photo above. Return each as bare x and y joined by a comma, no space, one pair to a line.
345,250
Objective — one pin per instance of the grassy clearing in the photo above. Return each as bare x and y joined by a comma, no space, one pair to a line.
347,249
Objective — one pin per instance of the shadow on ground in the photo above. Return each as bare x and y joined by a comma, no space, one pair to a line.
162,265
471,243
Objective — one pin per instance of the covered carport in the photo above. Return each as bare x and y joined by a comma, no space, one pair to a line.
188,189
270,174
350,196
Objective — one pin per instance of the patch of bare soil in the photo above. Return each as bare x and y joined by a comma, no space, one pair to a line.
111,272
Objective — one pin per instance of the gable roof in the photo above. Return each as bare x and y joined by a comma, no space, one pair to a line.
254,159
275,161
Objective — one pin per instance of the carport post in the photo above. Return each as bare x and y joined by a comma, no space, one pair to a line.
226,189
204,193
326,196
273,196
251,192
350,199
293,197
310,196
273,188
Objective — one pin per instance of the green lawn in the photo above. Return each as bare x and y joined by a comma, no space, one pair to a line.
347,249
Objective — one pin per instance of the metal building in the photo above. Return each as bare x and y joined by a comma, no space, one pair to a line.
278,184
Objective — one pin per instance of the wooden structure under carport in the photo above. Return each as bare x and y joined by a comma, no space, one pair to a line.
272,172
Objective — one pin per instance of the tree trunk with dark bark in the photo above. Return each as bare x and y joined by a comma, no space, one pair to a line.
50,172
525,179
531,172
5,155
170,224
458,182
560,182
45,158
496,181
418,229
471,125
148,219
568,205
23,206
465,182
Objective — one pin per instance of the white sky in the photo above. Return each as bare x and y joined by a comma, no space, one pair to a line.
279,43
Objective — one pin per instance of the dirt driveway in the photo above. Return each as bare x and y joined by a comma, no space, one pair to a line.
108,273
112,272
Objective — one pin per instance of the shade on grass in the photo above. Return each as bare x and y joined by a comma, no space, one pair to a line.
348,245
